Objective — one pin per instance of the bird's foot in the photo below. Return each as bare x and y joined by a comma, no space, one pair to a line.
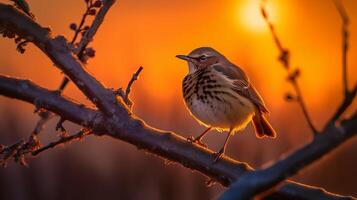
218,155
196,141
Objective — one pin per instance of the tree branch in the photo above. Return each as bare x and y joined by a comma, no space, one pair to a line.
333,135
27,91
345,36
116,121
349,95
253,183
89,33
169,145
125,95
63,140
98,20
284,58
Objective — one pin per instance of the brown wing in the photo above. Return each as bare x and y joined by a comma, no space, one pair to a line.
247,90
242,85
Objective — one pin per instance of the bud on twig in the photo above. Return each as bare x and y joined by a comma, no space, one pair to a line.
73,26
289,97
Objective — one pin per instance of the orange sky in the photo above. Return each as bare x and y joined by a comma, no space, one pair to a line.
150,34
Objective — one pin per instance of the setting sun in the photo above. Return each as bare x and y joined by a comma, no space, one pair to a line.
250,17
182,99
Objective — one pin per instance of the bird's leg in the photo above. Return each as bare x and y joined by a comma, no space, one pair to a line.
223,149
198,139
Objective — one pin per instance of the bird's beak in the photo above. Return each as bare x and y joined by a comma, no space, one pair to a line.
184,57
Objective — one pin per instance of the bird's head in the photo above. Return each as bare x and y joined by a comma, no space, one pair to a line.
201,58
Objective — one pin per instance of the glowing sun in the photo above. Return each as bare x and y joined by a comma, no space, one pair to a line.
250,16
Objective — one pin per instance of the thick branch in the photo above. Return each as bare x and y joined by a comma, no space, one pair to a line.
256,182
166,144
333,135
59,52
89,34
27,91
118,123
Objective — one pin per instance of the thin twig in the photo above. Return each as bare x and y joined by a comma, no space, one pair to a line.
345,44
125,95
303,106
349,95
257,182
112,117
85,40
98,20
284,58
133,78
64,140
168,145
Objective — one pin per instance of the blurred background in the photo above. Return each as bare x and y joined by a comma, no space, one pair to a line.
150,34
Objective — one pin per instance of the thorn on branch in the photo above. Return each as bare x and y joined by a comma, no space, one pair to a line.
125,95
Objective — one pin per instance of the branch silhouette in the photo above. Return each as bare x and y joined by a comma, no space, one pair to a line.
259,181
113,118
80,48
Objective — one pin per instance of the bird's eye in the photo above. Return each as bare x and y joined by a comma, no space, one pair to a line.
203,58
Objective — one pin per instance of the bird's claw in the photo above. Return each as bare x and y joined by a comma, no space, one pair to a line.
218,155
196,141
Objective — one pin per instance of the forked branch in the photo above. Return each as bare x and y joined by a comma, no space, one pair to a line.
112,117
284,59
257,182
166,144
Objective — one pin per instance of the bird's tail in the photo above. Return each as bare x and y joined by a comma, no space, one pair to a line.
262,126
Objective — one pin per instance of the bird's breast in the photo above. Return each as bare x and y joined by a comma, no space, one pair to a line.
211,100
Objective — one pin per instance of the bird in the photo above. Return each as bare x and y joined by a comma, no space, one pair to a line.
219,95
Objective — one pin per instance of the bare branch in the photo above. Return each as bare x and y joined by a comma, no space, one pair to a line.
345,37
88,34
125,95
85,40
349,95
169,145
64,140
115,121
98,20
45,116
25,90
347,101
284,58
58,51
24,6
253,183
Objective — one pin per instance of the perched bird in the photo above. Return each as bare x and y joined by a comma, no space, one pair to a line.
219,95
